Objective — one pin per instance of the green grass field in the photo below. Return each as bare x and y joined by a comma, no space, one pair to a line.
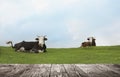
91,55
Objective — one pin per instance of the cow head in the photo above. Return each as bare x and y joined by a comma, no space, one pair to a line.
41,40
90,39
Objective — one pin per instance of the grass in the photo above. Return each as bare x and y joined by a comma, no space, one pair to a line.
91,55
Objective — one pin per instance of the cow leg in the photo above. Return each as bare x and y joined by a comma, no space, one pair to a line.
40,51
44,48
17,49
22,49
34,50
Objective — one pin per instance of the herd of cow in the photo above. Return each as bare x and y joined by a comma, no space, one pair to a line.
40,46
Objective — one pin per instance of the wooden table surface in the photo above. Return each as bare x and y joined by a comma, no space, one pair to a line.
59,70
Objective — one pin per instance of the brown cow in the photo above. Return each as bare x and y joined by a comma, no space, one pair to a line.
85,44
91,42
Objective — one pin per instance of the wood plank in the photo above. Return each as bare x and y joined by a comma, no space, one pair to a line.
70,69
80,71
13,70
92,70
38,70
109,70
115,67
5,69
35,70
58,70
98,70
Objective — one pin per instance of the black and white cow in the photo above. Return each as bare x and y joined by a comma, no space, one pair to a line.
34,46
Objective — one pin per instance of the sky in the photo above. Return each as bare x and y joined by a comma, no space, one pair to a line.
66,23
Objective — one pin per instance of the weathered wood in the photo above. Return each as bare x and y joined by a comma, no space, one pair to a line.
100,70
59,70
38,71
92,70
80,71
115,68
109,70
12,70
73,72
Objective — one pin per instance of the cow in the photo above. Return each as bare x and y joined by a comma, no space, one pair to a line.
34,46
85,44
91,42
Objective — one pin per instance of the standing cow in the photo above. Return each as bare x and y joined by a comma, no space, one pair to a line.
37,46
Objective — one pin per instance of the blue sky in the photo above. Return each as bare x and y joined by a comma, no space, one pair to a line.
67,23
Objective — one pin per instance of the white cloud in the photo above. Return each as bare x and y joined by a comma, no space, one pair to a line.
40,6
11,12
109,34
68,3
74,28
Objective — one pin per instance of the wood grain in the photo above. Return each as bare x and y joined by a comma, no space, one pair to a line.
59,70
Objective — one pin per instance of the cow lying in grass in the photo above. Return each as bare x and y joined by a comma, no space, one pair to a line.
37,46
91,42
